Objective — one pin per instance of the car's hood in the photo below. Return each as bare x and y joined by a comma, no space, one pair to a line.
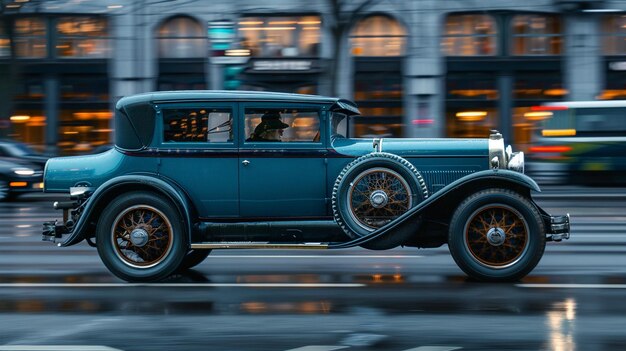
7,163
40,160
19,162
407,147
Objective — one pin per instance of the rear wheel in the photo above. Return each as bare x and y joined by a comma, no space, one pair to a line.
140,237
496,235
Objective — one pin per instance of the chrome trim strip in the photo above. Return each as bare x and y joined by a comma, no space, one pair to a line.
257,245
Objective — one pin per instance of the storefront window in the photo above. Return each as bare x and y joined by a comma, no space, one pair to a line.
5,42
82,131
28,126
614,35
471,122
378,36
30,37
536,35
182,37
82,37
84,89
29,88
471,86
542,86
379,96
469,35
615,85
293,36
84,117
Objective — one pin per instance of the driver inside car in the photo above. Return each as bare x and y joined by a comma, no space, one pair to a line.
270,129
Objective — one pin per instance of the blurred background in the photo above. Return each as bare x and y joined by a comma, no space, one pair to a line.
421,68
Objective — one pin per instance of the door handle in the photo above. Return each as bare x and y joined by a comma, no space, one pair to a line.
245,162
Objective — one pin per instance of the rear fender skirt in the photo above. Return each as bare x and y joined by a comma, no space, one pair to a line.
407,220
143,181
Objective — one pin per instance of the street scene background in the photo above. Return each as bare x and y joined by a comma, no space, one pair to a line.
548,74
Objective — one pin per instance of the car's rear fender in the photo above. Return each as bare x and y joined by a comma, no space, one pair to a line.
451,194
105,193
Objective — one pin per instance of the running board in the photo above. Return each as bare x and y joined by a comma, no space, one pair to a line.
258,245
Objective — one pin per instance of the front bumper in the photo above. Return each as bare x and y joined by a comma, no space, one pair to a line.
557,227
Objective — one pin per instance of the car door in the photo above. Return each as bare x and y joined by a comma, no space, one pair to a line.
287,178
198,152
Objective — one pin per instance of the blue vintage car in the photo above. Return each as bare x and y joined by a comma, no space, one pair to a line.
193,171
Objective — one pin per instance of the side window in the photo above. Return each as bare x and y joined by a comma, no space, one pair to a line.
282,125
197,125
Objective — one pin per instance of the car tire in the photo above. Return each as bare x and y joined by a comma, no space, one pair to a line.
193,258
496,235
373,190
141,237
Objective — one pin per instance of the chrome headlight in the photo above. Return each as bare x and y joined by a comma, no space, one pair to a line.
516,163
23,171
497,155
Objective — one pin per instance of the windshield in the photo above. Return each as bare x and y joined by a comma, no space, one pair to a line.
339,125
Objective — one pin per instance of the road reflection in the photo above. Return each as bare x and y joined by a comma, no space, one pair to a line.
561,322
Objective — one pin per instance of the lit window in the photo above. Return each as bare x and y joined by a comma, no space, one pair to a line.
182,37
30,38
197,125
536,35
378,36
82,37
614,34
280,36
5,42
469,35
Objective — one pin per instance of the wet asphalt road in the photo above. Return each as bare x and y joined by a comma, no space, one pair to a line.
402,299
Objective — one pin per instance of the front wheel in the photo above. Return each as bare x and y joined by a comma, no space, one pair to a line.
140,237
496,235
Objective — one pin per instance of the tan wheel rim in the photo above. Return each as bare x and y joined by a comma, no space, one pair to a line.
496,236
377,196
142,236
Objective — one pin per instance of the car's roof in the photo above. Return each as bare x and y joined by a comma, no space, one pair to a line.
230,95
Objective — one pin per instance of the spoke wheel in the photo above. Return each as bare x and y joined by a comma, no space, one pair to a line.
374,190
377,196
142,236
497,236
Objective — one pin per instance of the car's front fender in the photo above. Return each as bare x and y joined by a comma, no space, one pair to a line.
107,191
461,187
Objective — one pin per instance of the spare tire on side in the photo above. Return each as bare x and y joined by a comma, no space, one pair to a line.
372,191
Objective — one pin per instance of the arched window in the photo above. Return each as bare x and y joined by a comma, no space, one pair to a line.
378,36
470,35
614,33
536,35
181,37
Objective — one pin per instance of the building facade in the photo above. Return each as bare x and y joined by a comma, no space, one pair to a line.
416,68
